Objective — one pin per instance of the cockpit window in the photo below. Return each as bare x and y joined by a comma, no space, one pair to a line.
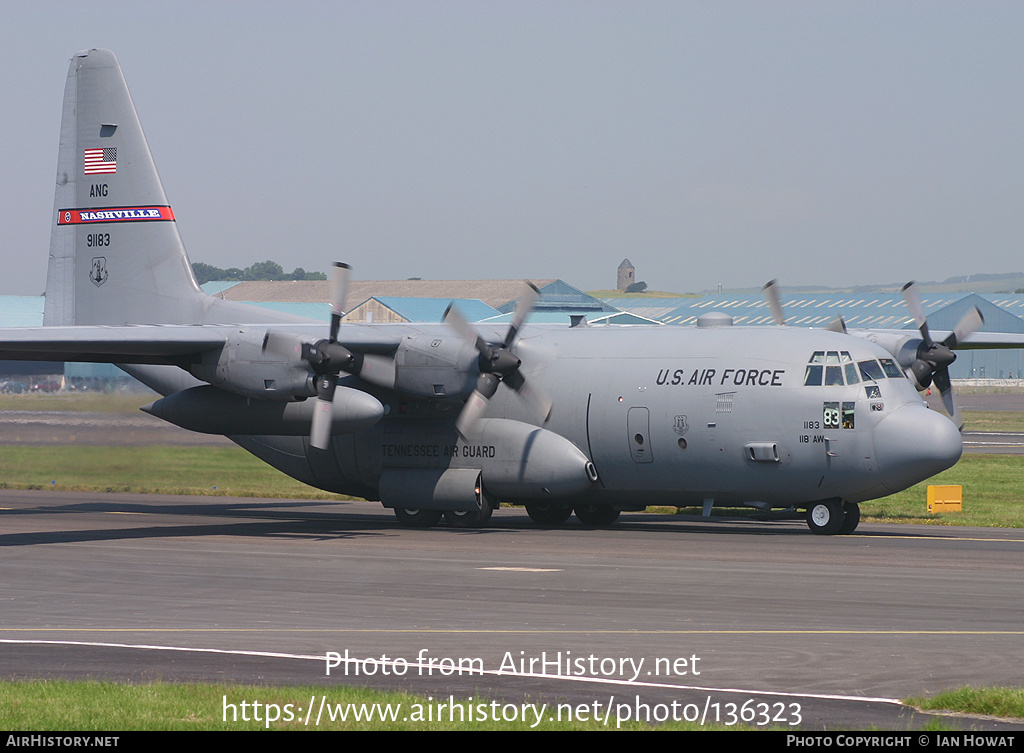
813,375
891,369
835,368
871,371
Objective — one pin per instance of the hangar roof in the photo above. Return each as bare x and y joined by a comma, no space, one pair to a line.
492,292
871,311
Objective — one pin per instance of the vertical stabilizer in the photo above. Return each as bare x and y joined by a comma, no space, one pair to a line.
115,253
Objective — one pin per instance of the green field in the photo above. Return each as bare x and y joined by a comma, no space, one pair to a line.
62,705
41,705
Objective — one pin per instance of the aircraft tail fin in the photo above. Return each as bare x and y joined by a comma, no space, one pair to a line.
115,253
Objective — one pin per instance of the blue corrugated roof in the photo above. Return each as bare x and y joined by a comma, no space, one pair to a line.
561,296
861,311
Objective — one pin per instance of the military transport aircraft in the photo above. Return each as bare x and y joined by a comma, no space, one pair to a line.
451,419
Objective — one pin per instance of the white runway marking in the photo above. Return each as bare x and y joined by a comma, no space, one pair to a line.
492,672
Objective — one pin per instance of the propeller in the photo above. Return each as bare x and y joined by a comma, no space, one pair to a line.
328,358
931,363
771,292
497,364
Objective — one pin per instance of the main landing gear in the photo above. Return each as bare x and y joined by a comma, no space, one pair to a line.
832,516
549,513
417,518
454,518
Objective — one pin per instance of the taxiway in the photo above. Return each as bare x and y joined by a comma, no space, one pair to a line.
164,587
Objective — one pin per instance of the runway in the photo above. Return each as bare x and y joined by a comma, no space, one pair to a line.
659,608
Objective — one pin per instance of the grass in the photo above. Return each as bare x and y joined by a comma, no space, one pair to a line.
220,471
993,420
93,402
1001,702
41,705
993,496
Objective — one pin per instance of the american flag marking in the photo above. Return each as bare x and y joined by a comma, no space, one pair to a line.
101,160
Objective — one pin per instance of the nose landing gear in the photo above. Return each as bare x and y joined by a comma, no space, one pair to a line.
832,516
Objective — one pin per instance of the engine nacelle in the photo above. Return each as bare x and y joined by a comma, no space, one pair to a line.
241,366
211,410
435,367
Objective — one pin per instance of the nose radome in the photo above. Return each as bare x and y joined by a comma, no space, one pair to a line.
914,443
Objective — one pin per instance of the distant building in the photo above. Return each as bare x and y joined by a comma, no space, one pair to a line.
627,275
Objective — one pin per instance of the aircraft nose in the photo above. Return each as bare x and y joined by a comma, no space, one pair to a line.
914,443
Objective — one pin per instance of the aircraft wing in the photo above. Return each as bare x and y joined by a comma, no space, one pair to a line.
974,341
980,340
152,344
160,344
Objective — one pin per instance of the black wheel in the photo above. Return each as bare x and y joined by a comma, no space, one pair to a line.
826,518
549,513
417,518
468,519
597,516
851,519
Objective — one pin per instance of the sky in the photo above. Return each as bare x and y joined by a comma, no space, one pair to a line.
836,144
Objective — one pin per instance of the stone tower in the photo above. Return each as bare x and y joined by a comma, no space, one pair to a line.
627,275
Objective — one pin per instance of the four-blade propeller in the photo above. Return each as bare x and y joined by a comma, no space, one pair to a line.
933,358
497,364
328,358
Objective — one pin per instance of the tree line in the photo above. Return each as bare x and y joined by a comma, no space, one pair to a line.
261,270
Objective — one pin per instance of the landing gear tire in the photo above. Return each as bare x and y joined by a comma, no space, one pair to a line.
826,518
549,513
468,518
417,518
596,516
851,519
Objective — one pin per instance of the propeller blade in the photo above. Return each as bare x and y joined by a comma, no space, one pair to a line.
339,291
771,292
477,403
379,370
533,396
913,299
320,431
837,325
454,318
969,323
942,381
287,347
523,308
